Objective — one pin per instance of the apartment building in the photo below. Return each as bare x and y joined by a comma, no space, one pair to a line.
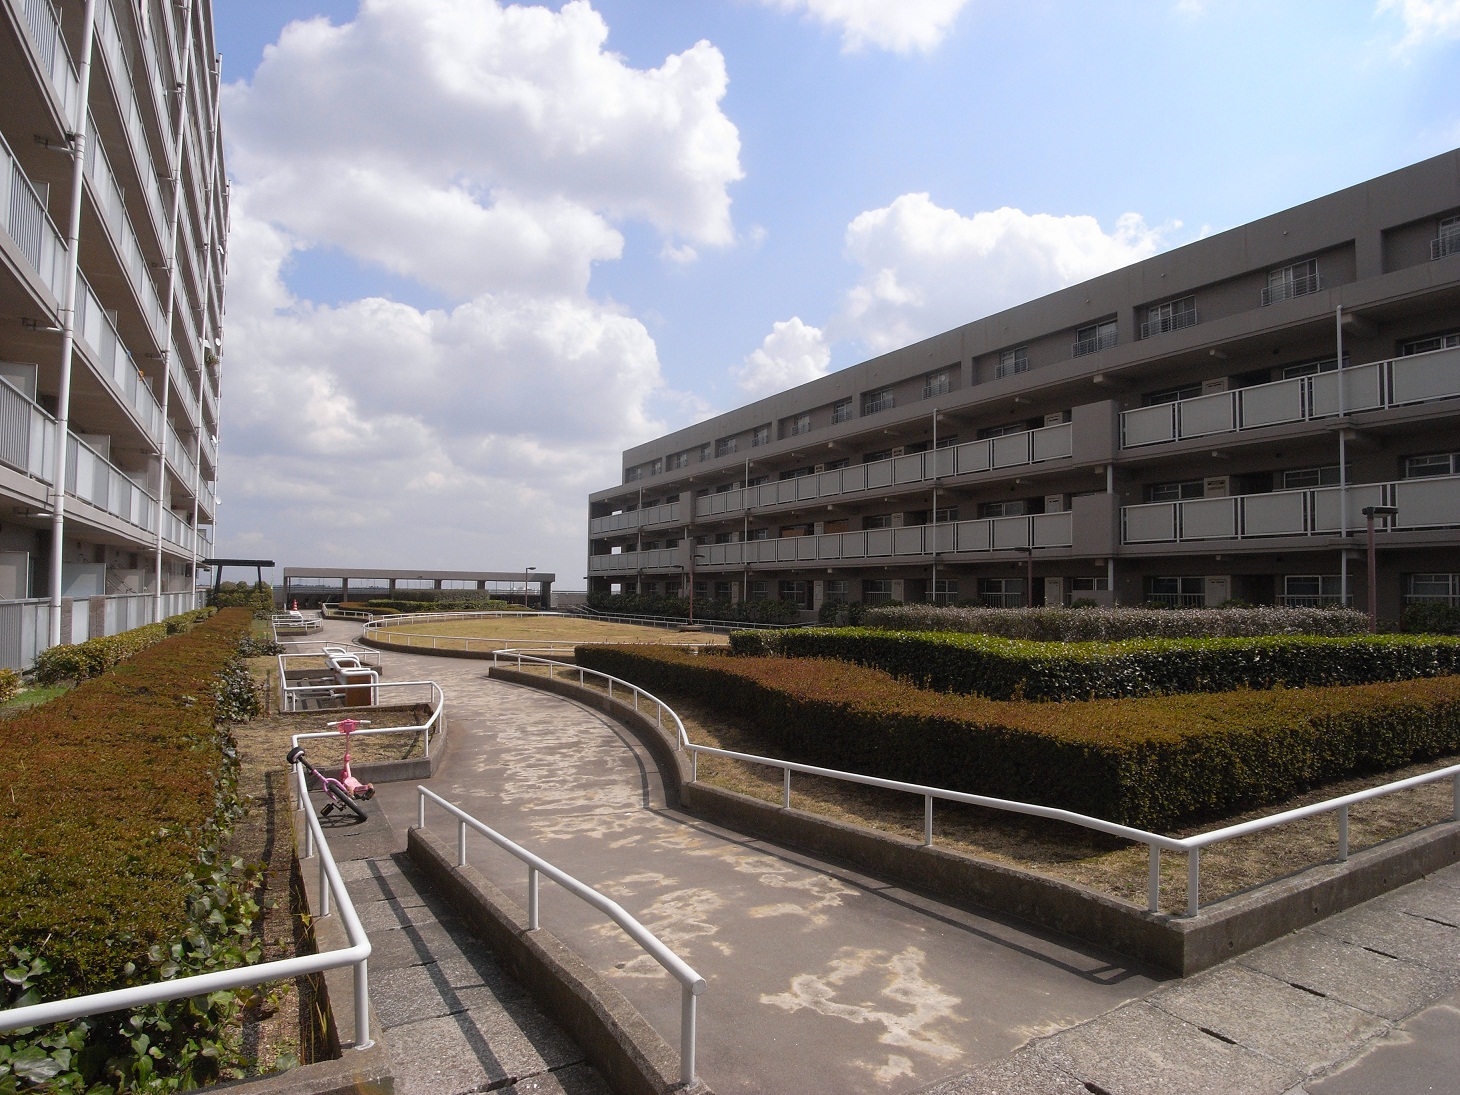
1207,425
113,237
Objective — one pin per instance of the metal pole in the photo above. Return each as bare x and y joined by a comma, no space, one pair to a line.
1342,452
687,1036
362,1007
786,788
1342,834
1373,582
532,904
1193,881
927,821
1153,880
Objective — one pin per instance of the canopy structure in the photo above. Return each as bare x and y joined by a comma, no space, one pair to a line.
311,582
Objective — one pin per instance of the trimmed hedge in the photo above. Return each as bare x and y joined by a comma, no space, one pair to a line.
1431,617
84,660
677,608
1081,624
1153,762
1008,669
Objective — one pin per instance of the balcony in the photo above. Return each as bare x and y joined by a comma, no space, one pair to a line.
668,513
91,478
885,401
108,38
97,330
1378,385
27,436
1447,243
29,226
109,202
1423,504
935,388
1009,368
1174,322
45,31
842,412
1094,345
1291,287
629,561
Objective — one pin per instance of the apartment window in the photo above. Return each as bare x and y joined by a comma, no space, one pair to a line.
1448,241
722,591
758,534
798,425
1003,431
798,593
1003,592
724,537
1089,585
947,441
656,466
757,480
1171,316
1297,280
678,460
945,591
877,520
704,452
724,488
760,591
876,591
945,516
844,462
841,411
1171,395
1014,507
1307,478
1437,463
633,475
835,591
1312,590
1313,368
725,446
702,589
880,400
1097,336
1438,588
935,384
1013,361
1434,342
873,457
798,529
761,436
1175,492
651,588
1183,592
671,544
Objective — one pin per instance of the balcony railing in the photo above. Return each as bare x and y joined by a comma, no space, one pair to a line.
27,436
55,62
1099,342
90,477
1310,600
879,403
1292,287
95,327
1446,244
1377,385
935,388
1009,368
1174,322
1177,600
108,199
635,518
29,226
842,412
1423,503
108,36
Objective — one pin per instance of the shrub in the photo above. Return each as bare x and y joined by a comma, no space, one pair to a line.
1013,669
256,596
632,604
1152,762
1431,617
9,684
1082,624
92,658
455,604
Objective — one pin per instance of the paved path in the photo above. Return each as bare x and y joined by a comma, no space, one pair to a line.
822,979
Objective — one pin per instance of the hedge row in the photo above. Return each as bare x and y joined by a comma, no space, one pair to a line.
1152,762
677,608
453,604
1083,624
84,660
1010,669
107,794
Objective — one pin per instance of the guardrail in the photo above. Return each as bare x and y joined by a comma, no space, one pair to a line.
1156,843
427,729
691,983
356,954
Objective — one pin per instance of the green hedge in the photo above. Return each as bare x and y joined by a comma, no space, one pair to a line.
1154,762
1432,617
1070,625
1009,669
445,605
84,660
706,609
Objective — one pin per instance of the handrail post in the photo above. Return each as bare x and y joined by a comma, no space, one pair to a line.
1455,795
1342,834
694,766
1193,881
362,1007
421,816
324,889
687,1035
1153,881
532,905
927,821
786,789
461,844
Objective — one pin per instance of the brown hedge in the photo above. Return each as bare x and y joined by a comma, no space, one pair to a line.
1153,762
106,793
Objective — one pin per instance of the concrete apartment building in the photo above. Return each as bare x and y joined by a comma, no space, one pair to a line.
1174,432
113,236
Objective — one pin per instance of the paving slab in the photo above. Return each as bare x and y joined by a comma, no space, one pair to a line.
1390,931
1420,1057
476,1050
1021,1074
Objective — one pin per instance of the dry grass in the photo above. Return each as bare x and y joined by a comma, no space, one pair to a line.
529,630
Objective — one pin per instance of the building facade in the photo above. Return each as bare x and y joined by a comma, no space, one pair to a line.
1176,432
113,248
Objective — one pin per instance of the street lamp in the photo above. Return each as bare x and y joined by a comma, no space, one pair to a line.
1370,512
525,572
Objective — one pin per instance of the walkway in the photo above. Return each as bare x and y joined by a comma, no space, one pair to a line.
821,979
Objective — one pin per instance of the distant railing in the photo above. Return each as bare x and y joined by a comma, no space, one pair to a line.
1446,244
1292,287
691,983
1174,322
638,699
1094,345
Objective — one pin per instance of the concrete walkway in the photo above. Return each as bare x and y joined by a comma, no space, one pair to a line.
822,979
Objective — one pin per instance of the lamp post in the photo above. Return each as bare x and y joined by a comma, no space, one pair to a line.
525,572
1370,512
1028,553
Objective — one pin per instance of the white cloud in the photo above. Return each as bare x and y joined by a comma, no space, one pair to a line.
901,26
791,354
1425,21
926,269
490,153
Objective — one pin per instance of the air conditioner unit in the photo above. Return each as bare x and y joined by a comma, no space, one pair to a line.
1213,387
899,451
897,520
1217,486
1059,418
819,468
1054,503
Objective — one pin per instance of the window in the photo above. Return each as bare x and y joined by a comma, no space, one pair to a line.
1435,588
877,520
1011,508
936,384
798,593
1002,592
760,591
1184,592
702,589
1434,342
835,591
1097,336
945,516
798,529
880,400
876,591
725,488
1003,431
1171,316
1438,463
677,460
757,480
841,411
1305,478
945,591
722,591
1175,492
873,457
798,425
1296,280
795,473
656,466
724,537
1312,590
704,452
725,446
1171,395
947,441
1312,368
672,543
1448,241
1013,361
1089,585
761,436
758,534
633,475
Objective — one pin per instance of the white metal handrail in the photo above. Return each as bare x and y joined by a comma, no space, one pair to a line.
427,729
691,983
1155,842
356,954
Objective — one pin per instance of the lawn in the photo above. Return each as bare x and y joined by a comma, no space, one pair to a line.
528,630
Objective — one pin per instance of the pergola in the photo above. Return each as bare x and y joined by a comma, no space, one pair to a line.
301,576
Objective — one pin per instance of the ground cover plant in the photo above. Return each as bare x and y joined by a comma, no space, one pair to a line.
532,628
114,820
1009,669
1083,624
1148,762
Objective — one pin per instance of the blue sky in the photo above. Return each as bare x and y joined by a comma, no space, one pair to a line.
476,252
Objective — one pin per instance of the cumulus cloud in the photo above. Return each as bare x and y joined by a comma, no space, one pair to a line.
901,26
791,354
491,153
925,269
1424,21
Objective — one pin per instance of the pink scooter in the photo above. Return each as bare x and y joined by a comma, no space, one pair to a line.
351,784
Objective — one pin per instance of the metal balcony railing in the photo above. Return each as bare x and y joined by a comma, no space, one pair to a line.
1448,243
843,412
1009,368
1291,287
1174,322
28,224
879,403
1094,345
